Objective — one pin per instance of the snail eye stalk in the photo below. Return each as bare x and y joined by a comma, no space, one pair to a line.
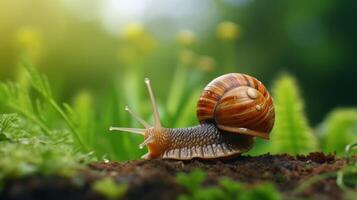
139,131
153,104
137,117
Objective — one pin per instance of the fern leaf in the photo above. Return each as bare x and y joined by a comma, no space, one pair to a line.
291,133
338,130
38,81
18,100
7,123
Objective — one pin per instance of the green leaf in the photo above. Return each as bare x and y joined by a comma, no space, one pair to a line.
83,115
227,188
266,191
209,193
291,133
231,188
109,188
191,181
338,130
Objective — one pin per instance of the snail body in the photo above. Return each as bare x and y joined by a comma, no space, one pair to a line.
204,141
232,110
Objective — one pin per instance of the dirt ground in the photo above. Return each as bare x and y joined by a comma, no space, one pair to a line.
155,179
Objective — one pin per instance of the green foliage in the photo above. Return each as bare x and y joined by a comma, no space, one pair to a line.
265,191
17,99
235,190
291,133
28,151
83,115
346,177
177,89
40,83
338,130
29,143
191,181
8,123
231,188
227,189
109,188
31,97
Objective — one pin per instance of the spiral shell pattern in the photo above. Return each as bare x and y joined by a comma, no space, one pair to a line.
237,103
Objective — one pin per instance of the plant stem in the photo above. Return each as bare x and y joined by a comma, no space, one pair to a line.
67,120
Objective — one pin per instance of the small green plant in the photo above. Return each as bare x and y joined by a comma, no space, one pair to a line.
345,177
29,143
266,191
109,188
191,181
226,189
338,130
17,99
291,133
40,83
8,123
27,150
31,98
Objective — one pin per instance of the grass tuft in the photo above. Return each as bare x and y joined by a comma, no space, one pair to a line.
338,130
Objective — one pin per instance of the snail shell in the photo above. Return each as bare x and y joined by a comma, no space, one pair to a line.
237,103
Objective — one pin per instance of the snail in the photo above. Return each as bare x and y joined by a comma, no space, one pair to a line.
232,110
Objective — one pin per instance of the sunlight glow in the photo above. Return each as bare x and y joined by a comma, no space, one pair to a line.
174,14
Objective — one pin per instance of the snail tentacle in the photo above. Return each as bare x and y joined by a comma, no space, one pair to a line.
137,117
153,104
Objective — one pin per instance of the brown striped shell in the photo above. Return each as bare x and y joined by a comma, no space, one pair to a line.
237,103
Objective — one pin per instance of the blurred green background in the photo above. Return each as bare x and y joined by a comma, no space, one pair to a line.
100,51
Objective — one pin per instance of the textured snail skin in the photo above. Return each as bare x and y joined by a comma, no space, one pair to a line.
204,141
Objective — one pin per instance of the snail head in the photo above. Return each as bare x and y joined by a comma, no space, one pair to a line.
153,135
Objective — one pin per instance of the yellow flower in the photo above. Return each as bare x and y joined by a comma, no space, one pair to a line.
135,36
133,31
228,30
29,41
186,38
206,63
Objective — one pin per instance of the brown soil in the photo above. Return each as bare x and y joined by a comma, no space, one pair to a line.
155,179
